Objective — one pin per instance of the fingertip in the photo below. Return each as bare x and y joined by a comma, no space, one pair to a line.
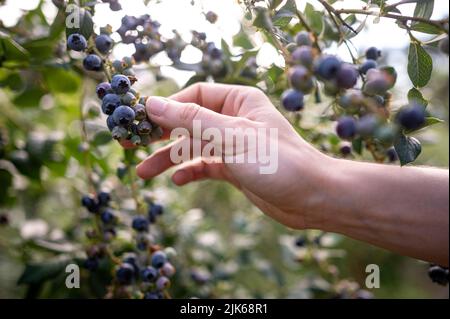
180,178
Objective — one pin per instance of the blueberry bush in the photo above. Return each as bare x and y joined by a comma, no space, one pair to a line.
70,193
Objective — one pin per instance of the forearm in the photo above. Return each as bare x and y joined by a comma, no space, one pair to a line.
405,210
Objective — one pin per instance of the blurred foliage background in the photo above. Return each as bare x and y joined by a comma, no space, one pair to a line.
226,247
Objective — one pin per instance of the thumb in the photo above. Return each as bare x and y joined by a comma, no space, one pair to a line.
172,114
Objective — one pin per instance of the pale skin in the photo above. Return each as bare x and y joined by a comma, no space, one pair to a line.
402,209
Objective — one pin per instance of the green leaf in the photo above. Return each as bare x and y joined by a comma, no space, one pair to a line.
414,95
315,18
262,19
61,80
424,9
408,149
39,273
426,28
420,65
102,138
242,40
11,51
285,14
357,145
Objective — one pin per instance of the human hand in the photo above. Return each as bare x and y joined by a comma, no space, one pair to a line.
285,194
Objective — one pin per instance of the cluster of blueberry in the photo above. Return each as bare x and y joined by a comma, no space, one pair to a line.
127,116
439,275
213,60
99,206
364,112
149,267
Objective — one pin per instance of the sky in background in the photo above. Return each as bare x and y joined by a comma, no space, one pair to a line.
182,16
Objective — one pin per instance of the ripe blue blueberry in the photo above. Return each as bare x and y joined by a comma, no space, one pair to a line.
123,115
149,274
110,103
125,274
120,84
110,123
153,295
77,42
103,43
328,67
159,258
392,155
367,65
411,117
439,275
90,203
347,76
346,127
300,79
93,63
103,198
292,100
345,148
107,217
303,38
373,53
140,223
304,56
103,89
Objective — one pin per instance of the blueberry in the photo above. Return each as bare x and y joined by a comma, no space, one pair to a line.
107,217
304,56
300,79
328,67
347,76
90,203
119,133
386,134
4,219
303,38
144,128
345,148
168,270
346,127
200,277
120,84
128,99
103,43
367,65
140,223
367,125
103,89
292,100
124,115
392,155
149,274
118,66
140,112
114,5
93,63
377,82
159,258
110,123
373,53
125,274
110,103
153,295
77,42
103,198
352,100
300,241
438,275
411,117
211,17
91,263
162,283
156,209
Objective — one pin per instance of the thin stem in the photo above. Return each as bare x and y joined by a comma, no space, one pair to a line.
437,23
